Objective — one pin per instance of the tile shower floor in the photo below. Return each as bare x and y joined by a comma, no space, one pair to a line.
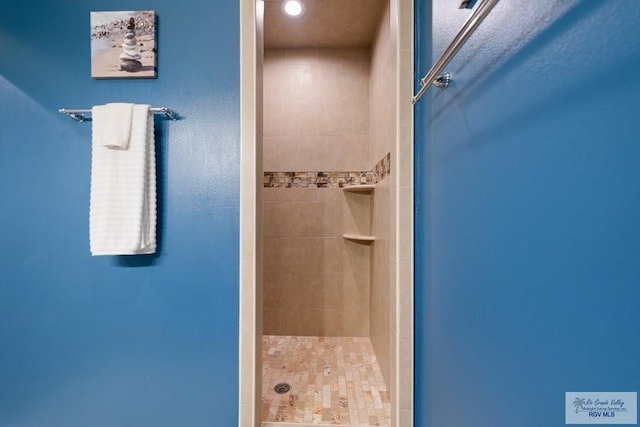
334,380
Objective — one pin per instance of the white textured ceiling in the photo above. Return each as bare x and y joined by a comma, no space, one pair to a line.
325,24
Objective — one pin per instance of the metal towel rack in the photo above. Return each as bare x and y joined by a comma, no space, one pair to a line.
80,114
434,76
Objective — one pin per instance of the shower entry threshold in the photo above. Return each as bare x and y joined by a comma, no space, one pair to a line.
334,381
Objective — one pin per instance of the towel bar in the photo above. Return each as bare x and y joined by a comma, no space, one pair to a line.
79,114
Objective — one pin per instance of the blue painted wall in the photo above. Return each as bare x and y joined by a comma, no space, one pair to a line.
528,230
528,239
117,341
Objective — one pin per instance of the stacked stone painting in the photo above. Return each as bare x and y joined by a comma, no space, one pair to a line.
123,44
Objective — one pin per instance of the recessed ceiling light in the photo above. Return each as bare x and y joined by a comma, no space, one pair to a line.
293,8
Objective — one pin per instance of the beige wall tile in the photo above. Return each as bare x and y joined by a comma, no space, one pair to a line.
313,283
317,219
352,153
382,141
277,217
315,93
357,213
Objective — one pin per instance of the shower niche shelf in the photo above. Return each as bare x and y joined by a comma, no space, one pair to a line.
362,188
359,197
362,238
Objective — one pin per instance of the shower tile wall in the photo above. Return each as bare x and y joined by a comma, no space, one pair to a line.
316,118
383,136
316,110
315,282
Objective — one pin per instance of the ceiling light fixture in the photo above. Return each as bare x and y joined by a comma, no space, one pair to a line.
293,7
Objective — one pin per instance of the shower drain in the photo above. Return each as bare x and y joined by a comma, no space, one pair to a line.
282,388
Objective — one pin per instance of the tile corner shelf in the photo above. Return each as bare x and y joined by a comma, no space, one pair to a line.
361,188
359,238
365,222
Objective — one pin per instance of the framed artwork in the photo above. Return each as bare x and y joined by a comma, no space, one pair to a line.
123,44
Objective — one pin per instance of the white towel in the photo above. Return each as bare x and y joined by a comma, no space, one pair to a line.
122,212
117,120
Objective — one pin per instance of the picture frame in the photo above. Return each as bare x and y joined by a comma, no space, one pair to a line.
123,44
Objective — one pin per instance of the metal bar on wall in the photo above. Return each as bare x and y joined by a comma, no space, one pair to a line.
472,22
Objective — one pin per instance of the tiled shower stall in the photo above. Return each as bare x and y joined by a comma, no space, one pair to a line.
329,123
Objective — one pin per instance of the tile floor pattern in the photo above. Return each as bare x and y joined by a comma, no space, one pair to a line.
334,380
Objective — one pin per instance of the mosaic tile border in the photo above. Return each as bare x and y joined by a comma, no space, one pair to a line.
328,179
383,168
